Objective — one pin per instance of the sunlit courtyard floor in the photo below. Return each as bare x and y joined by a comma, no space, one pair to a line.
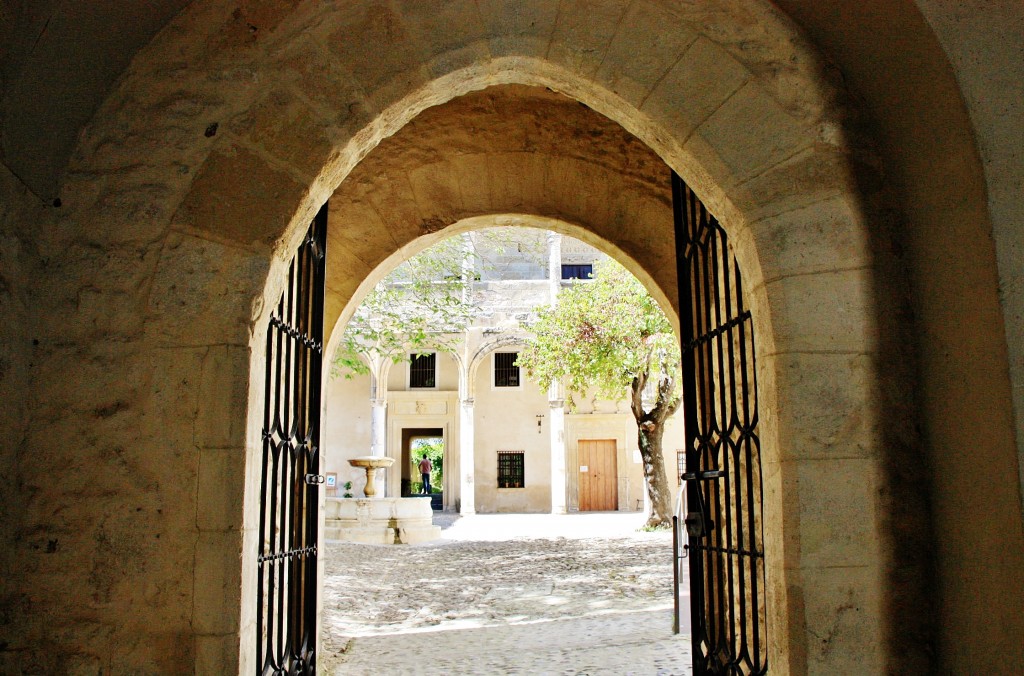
502,594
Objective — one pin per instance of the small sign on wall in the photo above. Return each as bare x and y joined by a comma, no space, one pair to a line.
584,468
332,479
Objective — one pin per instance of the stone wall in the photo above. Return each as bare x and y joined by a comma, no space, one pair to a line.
506,420
346,431
938,205
987,55
21,213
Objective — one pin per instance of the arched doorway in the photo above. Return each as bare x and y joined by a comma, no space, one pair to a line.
361,206
736,142
360,248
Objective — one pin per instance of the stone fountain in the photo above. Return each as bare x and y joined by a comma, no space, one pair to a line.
371,463
381,521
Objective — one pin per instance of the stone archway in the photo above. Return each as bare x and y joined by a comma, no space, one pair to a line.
771,166
377,192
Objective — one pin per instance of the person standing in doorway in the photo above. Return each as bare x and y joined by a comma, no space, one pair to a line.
426,467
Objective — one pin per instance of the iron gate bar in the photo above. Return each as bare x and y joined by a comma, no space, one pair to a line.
728,550
289,499
725,538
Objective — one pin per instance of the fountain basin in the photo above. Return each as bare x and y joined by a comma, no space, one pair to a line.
380,521
371,463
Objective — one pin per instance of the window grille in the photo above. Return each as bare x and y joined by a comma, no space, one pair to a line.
580,271
423,370
680,466
506,372
510,469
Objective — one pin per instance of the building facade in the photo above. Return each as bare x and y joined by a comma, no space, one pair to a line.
526,442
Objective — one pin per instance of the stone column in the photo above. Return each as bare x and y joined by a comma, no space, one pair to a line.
559,499
379,441
554,266
556,402
378,427
467,458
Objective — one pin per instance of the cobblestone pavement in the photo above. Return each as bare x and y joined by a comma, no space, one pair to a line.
506,594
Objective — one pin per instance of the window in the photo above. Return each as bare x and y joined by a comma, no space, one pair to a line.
581,271
506,372
680,466
510,469
423,370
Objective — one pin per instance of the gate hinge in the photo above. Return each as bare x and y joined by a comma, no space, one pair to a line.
314,479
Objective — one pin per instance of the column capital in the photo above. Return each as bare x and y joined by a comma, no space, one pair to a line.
556,403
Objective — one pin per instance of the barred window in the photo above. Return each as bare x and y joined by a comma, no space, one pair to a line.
582,271
680,466
423,370
506,372
510,469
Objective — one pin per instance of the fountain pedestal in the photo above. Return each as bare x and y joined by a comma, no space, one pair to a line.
379,521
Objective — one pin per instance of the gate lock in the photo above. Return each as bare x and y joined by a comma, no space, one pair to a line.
696,521
701,476
315,479
694,524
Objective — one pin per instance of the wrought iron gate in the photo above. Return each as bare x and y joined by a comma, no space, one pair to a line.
289,493
723,466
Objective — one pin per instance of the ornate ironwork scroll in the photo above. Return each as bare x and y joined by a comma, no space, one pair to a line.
723,459
289,497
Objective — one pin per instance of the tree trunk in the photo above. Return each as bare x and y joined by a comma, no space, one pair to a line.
650,429
649,437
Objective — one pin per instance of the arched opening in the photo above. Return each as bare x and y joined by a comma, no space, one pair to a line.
466,367
772,168
651,250
499,414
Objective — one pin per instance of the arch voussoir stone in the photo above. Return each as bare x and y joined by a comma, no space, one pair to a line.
518,28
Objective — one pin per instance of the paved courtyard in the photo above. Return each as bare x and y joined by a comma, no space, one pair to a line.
506,594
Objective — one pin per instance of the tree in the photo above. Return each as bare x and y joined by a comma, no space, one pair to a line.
419,306
609,337
426,302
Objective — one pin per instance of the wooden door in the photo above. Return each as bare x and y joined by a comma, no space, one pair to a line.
599,478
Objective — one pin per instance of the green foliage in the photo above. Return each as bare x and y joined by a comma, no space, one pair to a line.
416,308
424,304
601,336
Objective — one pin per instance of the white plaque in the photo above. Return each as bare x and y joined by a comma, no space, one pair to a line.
584,468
